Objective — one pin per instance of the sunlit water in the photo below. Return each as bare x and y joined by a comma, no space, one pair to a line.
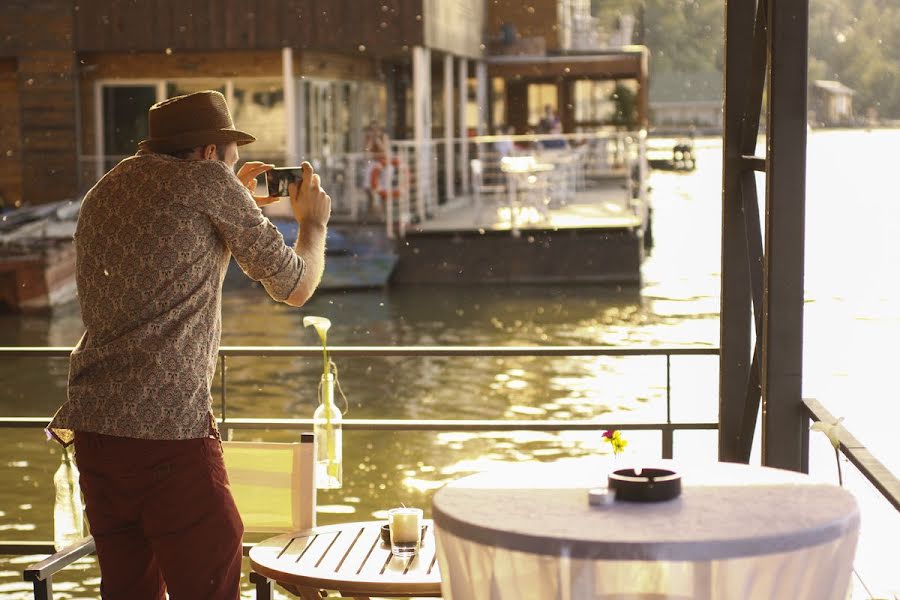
852,319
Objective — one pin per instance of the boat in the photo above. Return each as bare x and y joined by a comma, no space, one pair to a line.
37,257
672,155
357,257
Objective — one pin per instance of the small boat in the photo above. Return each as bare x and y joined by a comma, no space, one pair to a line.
356,257
37,257
677,156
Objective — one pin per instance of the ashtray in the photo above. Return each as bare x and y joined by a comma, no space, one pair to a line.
645,485
386,534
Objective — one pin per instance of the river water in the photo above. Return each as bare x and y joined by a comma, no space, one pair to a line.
852,319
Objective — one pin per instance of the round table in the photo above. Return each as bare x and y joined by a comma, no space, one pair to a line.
735,532
349,558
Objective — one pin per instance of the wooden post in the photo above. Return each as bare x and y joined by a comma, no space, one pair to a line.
734,360
449,183
463,129
422,125
782,359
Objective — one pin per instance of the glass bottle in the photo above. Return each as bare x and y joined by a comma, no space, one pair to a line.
68,511
327,427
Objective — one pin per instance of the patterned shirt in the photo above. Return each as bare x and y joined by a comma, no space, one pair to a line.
153,241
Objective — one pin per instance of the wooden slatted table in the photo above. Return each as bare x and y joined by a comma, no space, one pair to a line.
349,558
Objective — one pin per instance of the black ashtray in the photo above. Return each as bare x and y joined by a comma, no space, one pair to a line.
645,485
386,533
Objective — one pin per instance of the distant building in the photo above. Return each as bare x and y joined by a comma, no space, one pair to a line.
830,103
681,101
77,77
558,54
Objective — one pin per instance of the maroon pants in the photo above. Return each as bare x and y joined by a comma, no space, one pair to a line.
162,517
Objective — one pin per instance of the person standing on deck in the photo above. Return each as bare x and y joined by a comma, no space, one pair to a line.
154,238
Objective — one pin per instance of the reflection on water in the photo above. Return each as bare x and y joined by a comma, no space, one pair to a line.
852,316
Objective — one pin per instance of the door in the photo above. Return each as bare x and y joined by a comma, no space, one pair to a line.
124,119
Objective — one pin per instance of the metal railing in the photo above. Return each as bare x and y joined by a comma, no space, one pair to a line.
873,470
415,181
887,484
227,424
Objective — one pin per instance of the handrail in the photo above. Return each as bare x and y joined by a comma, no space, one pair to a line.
872,469
226,424
415,424
49,566
409,351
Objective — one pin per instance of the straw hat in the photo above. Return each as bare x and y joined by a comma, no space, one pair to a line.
192,120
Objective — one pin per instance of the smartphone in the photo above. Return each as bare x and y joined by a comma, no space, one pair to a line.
278,179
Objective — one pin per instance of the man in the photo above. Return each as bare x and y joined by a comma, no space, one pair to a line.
154,238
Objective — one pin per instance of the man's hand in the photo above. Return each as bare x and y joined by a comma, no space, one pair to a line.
247,175
311,204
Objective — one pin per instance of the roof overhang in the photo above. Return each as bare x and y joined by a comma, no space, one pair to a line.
616,63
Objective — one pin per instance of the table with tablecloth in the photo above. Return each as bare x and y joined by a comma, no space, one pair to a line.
736,532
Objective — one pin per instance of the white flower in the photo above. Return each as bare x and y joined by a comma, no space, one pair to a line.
829,429
321,325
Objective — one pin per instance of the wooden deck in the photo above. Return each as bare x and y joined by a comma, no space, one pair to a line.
593,237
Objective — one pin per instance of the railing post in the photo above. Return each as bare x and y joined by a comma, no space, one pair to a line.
668,441
43,590
350,187
389,186
403,210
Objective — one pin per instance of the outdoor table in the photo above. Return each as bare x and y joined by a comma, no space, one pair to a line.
523,172
349,558
736,532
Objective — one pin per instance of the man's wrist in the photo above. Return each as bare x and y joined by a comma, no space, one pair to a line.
311,225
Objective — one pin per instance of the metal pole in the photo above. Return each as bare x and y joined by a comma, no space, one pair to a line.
734,362
422,124
449,183
481,96
782,357
463,129
290,105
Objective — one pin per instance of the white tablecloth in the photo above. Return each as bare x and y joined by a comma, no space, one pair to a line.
737,532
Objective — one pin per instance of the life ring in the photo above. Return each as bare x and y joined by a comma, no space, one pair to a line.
376,179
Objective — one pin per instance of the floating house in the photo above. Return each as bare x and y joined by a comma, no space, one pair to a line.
77,78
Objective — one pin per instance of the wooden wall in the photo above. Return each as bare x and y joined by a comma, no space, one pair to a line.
11,12
10,135
46,86
383,26
537,18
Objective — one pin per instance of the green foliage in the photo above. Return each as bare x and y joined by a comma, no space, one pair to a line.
625,102
856,42
684,36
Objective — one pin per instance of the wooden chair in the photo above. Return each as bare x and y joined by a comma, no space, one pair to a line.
273,485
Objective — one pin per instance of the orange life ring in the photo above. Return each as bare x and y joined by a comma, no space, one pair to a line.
375,178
